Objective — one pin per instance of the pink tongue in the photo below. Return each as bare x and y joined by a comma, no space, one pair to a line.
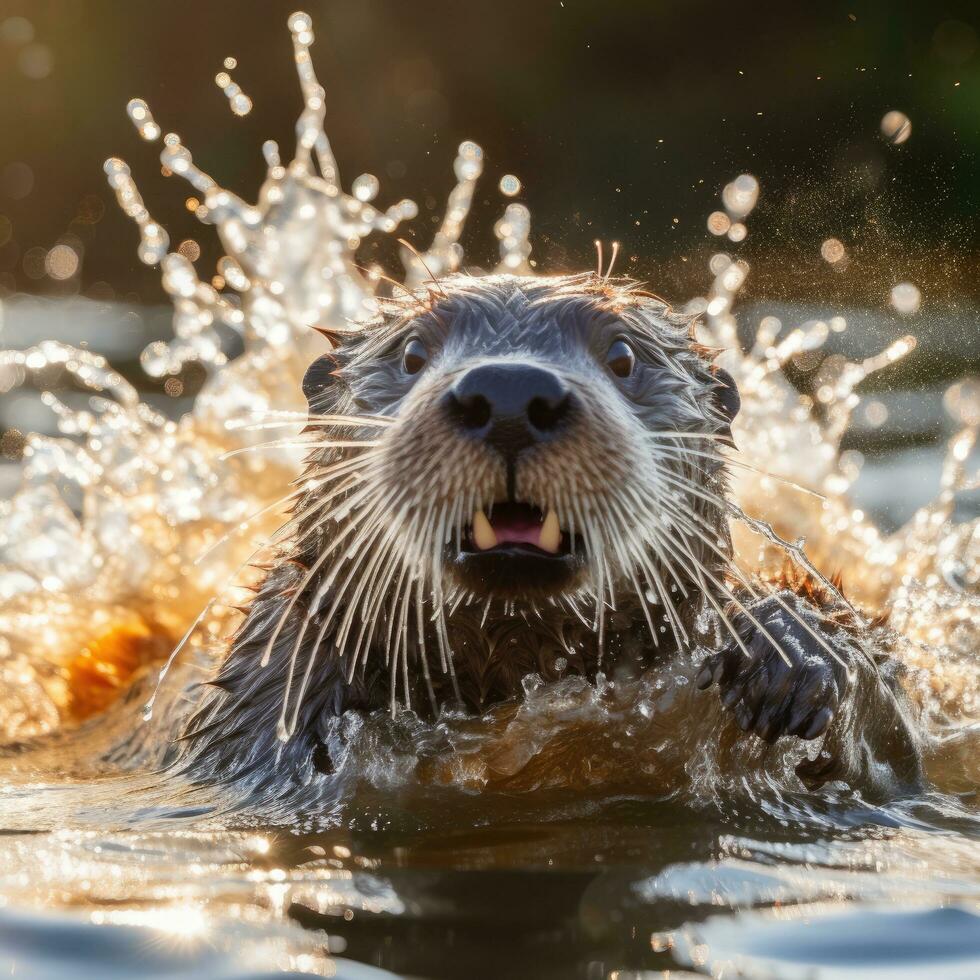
514,530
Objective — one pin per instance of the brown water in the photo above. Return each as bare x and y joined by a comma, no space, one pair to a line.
588,832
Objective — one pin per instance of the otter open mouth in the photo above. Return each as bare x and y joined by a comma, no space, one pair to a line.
516,524
518,550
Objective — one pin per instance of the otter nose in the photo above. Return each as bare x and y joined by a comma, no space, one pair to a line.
510,406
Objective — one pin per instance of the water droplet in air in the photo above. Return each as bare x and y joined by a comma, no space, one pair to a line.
962,402
365,187
61,262
241,104
17,30
719,223
141,117
832,251
510,185
906,298
741,195
896,127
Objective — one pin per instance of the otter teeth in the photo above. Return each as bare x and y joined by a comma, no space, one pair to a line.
550,539
483,534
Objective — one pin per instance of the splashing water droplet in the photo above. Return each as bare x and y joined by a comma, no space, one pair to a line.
154,241
469,162
832,251
906,298
896,127
62,262
719,223
740,196
240,103
510,185
365,188
141,117
962,402
514,232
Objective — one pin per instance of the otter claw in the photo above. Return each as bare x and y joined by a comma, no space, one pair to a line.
767,695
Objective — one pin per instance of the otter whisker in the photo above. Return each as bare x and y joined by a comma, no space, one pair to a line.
645,606
370,615
243,524
437,543
709,436
612,260
675,478
796,553
734,570
366,579
346,464
309,576
596,553
382,582
282,419
359,600
573,608
328,620
394,652
682,454
702,570
774,594
359,548
165,669
455,604
410,559
305,425
653,525
420,635
726,622
301,444
312,610
401,644
654,577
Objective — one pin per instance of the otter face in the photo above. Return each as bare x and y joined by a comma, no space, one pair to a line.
543,439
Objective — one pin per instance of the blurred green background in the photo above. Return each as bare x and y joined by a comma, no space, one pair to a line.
623,118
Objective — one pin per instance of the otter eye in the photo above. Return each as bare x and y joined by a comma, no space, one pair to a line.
414,356
620,359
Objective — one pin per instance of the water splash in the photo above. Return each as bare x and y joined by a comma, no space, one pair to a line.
239,103
141,117
112,560
154,241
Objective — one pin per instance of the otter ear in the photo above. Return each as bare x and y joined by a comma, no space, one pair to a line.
726,394
319,379
727,397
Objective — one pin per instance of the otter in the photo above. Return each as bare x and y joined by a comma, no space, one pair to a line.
524,475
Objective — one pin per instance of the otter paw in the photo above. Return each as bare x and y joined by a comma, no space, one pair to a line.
792,690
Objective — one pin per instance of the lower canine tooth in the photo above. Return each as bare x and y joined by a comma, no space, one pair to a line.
483,536
550,538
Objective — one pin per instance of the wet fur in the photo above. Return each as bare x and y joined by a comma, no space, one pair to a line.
566,322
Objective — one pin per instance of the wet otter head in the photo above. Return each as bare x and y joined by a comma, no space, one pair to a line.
523,477
533,440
